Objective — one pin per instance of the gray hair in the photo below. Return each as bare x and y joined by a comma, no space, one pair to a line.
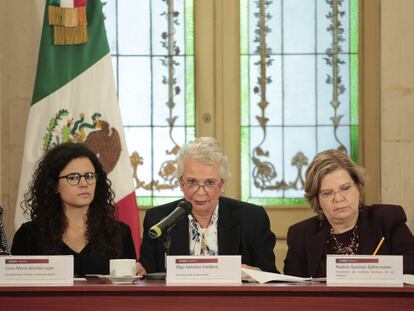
206,150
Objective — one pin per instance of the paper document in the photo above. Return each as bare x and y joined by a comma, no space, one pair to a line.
408,279
264,277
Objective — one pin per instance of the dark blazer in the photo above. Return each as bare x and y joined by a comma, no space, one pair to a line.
242,229
87,261
307,239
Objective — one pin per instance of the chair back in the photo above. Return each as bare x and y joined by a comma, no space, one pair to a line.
4,247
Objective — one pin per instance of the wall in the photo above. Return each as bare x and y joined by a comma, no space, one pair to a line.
397,104
20,26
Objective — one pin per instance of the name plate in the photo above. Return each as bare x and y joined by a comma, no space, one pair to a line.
203,270
36,270
364,270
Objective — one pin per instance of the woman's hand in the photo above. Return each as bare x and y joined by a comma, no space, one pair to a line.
250,267
140,269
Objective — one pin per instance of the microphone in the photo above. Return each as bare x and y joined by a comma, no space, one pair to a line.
183,209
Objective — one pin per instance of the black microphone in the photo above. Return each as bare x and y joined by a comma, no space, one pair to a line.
183,209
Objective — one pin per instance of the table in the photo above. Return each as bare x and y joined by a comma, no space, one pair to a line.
156,295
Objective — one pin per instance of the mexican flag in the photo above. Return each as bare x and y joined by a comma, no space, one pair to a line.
74,99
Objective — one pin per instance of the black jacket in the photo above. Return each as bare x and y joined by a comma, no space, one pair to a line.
88,261
307,239
242,229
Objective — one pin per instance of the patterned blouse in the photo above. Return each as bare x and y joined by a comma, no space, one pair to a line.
203,241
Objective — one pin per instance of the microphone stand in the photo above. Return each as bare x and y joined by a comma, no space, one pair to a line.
167,245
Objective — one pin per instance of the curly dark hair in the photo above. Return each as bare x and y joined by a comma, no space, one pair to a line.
44,205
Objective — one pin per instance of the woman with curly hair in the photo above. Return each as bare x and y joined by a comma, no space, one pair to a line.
72,210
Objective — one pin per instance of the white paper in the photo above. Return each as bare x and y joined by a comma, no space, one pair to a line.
408,279
264,277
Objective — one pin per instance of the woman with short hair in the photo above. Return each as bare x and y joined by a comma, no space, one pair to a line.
344,225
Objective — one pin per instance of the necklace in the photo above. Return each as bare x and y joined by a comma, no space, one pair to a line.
344,248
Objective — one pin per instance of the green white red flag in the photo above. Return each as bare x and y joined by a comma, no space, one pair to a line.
74,99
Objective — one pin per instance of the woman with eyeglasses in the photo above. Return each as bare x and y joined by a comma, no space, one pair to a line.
216,225
335,189
72,210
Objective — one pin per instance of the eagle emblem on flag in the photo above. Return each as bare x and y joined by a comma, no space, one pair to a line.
96,133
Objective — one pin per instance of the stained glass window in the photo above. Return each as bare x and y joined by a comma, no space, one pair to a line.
299,91
152,48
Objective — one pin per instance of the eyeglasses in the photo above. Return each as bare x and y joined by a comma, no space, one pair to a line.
330,194
74,179
209,185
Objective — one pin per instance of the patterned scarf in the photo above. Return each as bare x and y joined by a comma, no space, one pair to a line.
203,241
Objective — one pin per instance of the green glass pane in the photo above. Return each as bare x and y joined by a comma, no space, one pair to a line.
354,144
353,88
189,69
189,27
189,134
354,78
278,202
354,25
148,202
189,91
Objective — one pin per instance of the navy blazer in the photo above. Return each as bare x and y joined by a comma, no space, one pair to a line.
242,229
307,239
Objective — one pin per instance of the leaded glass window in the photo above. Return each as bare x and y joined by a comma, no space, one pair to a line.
152,48
299,91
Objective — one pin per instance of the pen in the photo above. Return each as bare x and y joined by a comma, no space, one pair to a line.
378,246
